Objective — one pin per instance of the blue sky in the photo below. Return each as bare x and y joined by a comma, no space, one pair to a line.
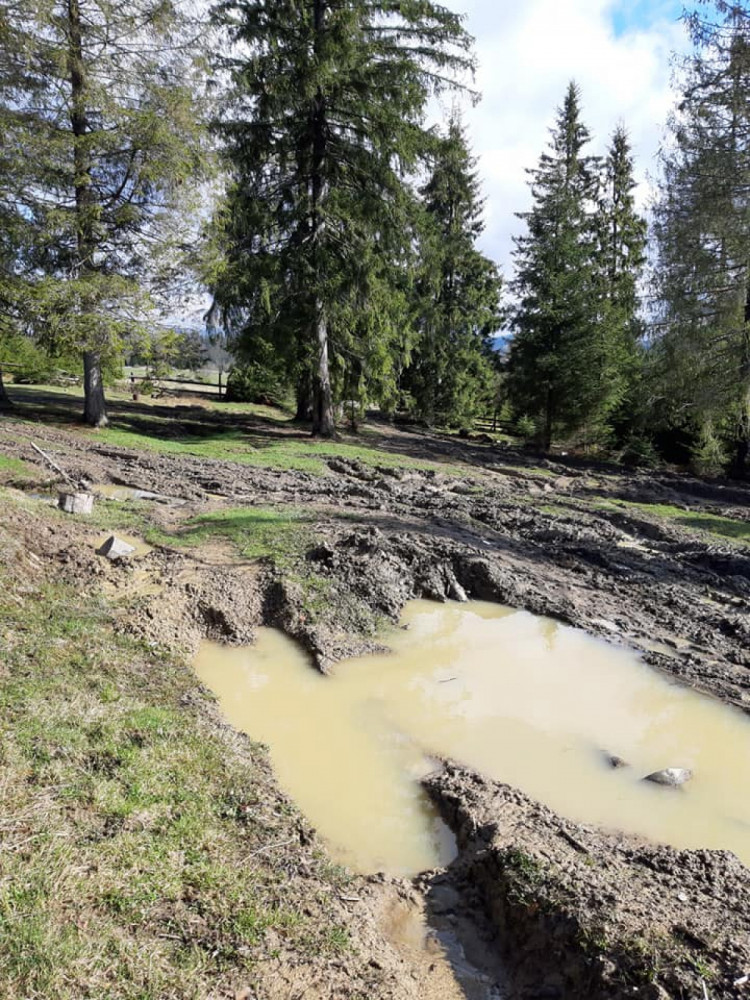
630,15
620,54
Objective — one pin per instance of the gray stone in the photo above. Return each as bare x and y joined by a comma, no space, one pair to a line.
615,762
672,777
76,503
114,548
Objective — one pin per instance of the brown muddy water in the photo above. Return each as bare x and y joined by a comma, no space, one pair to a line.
521,699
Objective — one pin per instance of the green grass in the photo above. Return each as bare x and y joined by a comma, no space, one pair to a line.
14,470
712,524
207,433
252,449
255,532
133,827
726,527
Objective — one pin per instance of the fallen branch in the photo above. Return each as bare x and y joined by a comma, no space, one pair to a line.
55,466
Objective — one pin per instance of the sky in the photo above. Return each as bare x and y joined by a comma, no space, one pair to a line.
621,55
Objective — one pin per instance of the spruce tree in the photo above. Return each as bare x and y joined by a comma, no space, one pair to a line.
452,374
325,122
702,229
558,360
621,258
98,117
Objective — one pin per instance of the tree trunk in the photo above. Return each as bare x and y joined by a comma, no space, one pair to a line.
741,454
323,419
547,439
304,399
5,401
95,411
742,447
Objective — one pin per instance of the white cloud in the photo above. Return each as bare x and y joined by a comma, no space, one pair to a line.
528,51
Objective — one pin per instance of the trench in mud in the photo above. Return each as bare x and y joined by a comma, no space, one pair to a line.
521,699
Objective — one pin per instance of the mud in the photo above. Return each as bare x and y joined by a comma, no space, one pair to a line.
576,912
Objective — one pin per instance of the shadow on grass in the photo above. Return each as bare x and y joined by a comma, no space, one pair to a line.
185,423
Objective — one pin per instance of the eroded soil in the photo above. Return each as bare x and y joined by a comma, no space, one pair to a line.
575,912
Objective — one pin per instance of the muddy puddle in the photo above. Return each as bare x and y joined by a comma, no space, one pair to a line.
519,698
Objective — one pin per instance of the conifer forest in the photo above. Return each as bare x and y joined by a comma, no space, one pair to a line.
284,161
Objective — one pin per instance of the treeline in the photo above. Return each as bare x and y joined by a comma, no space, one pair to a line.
278,156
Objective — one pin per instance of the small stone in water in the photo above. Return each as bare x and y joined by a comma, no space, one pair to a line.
615,762
670,776
114,548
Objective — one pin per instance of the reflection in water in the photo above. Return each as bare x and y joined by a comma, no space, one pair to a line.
519,698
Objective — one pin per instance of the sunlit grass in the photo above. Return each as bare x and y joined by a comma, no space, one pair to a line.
712,524
14,470
255,532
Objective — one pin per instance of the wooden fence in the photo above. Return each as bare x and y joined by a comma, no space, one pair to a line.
203,388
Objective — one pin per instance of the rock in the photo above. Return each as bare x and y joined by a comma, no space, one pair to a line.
672,777
114,548
615,762
76,503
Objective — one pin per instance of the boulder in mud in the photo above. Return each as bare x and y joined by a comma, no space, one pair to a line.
671,777
114,548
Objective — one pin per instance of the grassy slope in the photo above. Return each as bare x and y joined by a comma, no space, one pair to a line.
136,837
205,432
702,521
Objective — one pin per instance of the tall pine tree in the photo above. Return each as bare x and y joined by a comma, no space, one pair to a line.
325,122
621,258
702,229
451,377
98,117
559,356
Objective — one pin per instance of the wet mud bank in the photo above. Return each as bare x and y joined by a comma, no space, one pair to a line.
579,912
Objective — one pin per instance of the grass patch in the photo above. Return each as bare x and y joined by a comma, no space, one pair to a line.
134,837
712,524
255,532
726,527
209,432
13,470
253,449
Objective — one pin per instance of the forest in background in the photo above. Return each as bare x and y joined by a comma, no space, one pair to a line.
279,158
